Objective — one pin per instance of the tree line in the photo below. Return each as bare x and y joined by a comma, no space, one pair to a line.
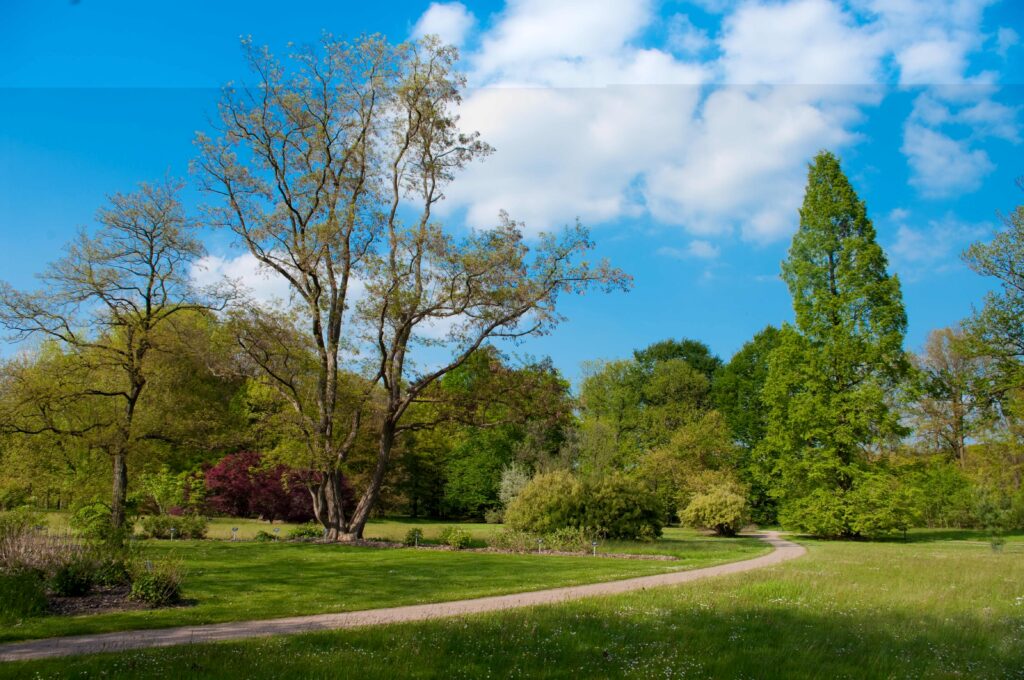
378,385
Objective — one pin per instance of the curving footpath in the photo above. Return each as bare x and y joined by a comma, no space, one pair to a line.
218,632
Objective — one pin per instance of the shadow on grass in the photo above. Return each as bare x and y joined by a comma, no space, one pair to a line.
634,637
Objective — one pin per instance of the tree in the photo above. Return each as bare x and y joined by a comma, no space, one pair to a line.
739,384
329,173
951,404
107,301
831,378
694,352
999,325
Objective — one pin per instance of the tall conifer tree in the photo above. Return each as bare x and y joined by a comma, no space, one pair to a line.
832,374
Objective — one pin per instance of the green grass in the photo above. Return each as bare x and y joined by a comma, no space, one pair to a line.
935,609
233,581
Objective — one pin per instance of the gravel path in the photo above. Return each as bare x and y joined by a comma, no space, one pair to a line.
166,637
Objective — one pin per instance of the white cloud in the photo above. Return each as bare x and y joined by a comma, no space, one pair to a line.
591,120
450,21
801,42
1005,39
685,38
931,248
941,165
264,285
700,249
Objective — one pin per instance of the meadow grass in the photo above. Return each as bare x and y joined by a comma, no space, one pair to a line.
244,580
930,608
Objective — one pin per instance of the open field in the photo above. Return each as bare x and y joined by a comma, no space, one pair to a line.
245,580
928,608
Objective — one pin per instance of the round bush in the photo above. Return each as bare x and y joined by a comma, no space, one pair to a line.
455,537
720,509
548,502
615,506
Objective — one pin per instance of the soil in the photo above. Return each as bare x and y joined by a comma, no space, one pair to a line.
100,600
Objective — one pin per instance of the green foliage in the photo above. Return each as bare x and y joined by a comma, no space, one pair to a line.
21,595
568,539
694,352
720,509
264,537
831,378
92,523
878,504
413,537
999,325
158,584
513,540
618,506
73,578
550,501
170,526
495,516
614,506
455,537
311,530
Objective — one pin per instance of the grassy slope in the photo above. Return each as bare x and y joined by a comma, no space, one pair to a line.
935,609
244,580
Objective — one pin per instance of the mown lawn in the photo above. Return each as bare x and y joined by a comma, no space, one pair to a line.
232,581
925,609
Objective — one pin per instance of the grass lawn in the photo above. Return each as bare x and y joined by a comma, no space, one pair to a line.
232,581
927,608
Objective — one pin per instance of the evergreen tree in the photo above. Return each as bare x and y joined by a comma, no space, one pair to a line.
831,377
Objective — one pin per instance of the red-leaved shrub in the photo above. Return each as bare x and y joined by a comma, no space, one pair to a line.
241,486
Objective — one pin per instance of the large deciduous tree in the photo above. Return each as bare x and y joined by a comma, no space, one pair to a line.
108,302
832,376
329,170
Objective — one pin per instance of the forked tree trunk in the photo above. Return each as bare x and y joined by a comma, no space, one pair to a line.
353,530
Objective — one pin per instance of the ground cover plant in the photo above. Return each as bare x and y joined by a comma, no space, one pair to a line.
246,580
935,606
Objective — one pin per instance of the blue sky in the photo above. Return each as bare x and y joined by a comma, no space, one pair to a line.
679,132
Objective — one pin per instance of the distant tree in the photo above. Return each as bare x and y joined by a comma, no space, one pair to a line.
999,324
109,301
831,378
739,384
952,397
694,352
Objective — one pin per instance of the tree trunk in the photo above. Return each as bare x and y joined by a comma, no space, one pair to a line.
120,490
369,498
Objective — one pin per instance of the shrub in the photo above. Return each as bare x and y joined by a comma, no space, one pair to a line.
74,578
157,584
568,539
548,502
720,509
21,595
616,506
264,537
243,485
413,537
513,539
92,522
455,537
192,526
168,526
310,530
494,516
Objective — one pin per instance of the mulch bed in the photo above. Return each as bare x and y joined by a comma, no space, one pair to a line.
101,600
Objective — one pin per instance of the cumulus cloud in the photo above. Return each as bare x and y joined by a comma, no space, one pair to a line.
450,21
929,248
263,285
709,131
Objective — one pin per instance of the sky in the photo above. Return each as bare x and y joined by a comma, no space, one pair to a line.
678,132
